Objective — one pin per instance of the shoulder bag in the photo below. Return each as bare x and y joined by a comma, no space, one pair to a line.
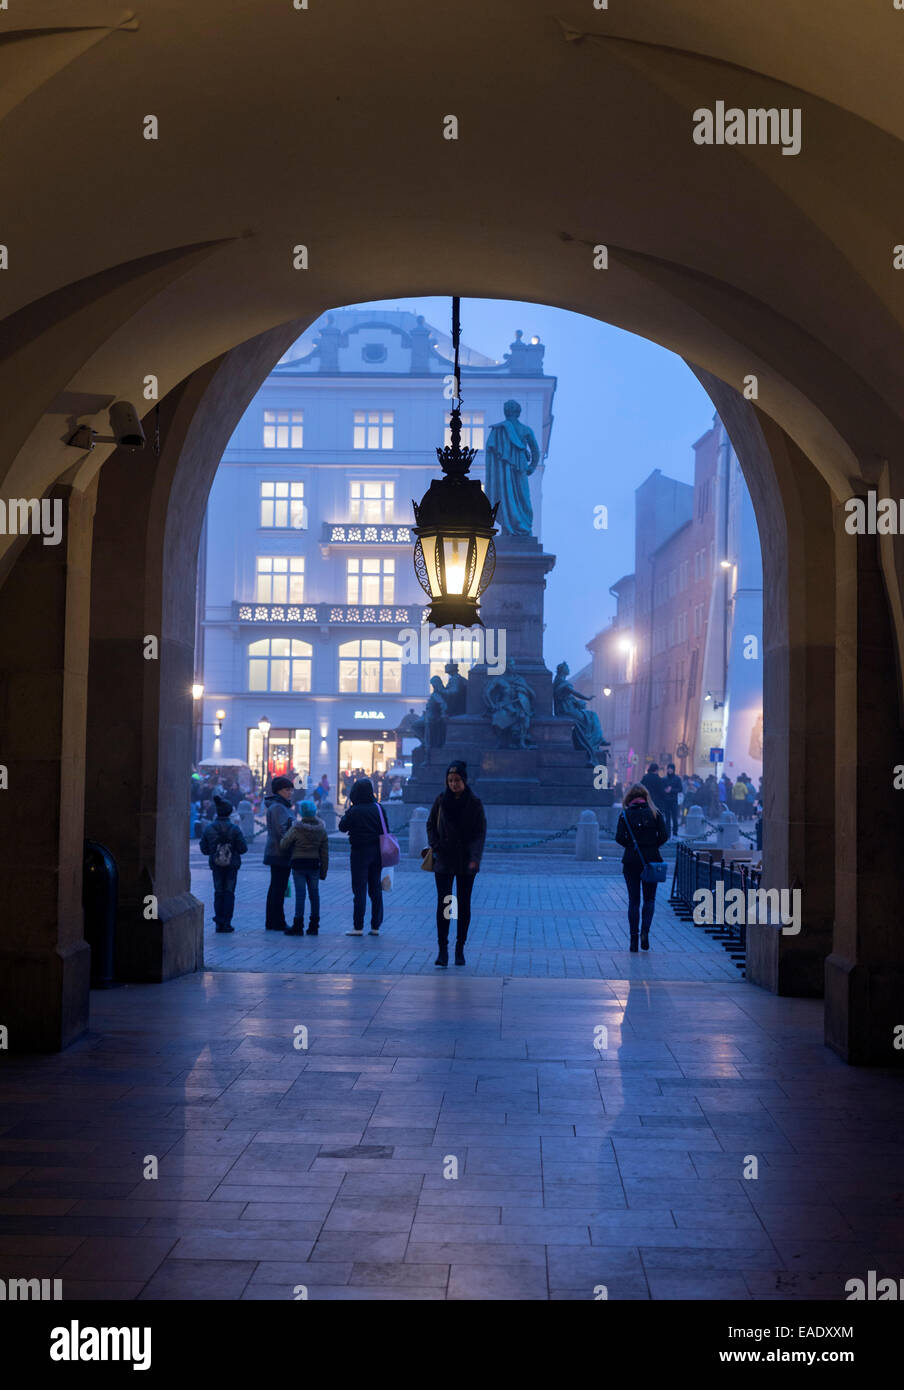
390,852
651,873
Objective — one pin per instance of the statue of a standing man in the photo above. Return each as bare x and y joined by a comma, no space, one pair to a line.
512,455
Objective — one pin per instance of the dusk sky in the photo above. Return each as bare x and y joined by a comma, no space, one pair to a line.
623,406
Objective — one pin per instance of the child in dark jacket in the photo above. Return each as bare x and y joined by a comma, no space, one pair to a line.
307,843
224,844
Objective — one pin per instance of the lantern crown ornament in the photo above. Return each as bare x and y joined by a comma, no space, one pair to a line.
454,557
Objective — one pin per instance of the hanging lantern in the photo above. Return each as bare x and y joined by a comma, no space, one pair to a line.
454,557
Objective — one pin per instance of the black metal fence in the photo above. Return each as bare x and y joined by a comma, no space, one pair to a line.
696,869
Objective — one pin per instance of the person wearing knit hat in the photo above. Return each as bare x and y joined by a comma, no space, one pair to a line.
224,844
456,832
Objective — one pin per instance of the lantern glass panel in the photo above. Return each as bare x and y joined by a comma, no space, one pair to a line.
455,563
429,546
481,545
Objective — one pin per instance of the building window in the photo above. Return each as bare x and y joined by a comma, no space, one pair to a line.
698,619
370,666
472,429
282,505
682,576
283,429
673,583
279,663
374,429
465,650
371,503
279,579
682,626
370,579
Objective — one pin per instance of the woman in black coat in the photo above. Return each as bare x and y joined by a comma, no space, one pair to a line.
649,831
456,831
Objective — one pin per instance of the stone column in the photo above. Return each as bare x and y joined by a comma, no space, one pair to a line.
864,975
45,963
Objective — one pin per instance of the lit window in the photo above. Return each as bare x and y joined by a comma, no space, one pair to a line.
282,505
280,579
279,663
371,503
370,667
472,427
374,429
370,579
283,429
465,650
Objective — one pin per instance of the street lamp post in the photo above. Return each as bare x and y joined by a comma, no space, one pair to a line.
264,725
454,557
197,695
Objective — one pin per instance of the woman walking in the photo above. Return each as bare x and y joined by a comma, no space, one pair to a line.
456,832
641,830
364,826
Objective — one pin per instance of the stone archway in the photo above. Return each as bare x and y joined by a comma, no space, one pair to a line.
743,262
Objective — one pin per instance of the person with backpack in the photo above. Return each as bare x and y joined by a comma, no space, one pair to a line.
306,842
279,820
363,824
640,831
224,844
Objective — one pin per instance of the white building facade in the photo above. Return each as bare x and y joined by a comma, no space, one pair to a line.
306,584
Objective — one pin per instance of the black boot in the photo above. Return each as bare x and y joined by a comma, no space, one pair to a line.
295,930
442,957
459,953
645,940
313,927
633,940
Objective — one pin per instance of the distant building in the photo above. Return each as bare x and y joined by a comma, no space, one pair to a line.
685,648
306,581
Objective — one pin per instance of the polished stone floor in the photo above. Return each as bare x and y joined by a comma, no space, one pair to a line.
449,1137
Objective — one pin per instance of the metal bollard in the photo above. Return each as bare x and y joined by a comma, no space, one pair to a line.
100,899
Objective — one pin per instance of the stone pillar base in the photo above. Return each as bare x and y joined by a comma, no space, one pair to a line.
171,945
863,1008
44,997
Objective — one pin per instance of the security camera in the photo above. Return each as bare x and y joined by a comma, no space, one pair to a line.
124,423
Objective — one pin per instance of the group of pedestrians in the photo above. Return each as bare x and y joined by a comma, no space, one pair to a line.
298,847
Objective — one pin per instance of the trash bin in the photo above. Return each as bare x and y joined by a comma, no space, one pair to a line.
100,899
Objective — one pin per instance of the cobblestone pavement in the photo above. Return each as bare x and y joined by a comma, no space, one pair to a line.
536,921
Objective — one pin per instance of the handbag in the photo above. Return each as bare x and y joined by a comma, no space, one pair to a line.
390,853
650,873
427,860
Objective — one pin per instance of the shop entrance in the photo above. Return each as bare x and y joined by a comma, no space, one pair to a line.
374,750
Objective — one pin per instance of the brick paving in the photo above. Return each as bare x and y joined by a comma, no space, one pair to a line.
564,921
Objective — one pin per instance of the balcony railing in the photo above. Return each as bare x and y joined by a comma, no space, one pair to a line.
325,614
359,533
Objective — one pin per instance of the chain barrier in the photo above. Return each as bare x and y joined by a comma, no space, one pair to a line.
714,826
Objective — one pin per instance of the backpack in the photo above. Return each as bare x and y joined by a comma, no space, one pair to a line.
222,856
